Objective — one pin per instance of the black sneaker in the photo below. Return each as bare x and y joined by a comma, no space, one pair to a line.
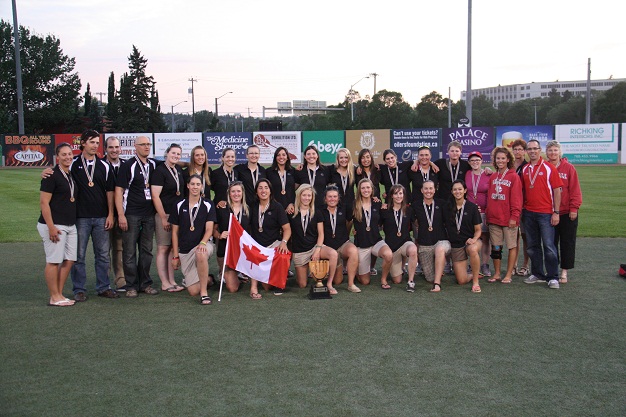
278,291
410,286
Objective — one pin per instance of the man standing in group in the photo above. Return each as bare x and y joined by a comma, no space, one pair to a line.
133,201
542,199
113,150
95,185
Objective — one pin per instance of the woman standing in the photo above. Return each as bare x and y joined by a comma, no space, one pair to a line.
57,225
337,237
366,215
571,199
396,221
343,176
167,190
250,173
282,178
192,226
223,176
464,224
269,226
368,169
393,173
504,211
199,164
314,173
237,206
477,189
307,232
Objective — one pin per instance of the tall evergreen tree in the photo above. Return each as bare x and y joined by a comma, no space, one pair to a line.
88,100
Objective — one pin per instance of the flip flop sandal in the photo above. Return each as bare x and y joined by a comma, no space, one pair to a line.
332,291
205,300
493,280
385,286
476,288
506,281
437,286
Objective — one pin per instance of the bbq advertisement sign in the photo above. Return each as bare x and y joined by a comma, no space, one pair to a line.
28,150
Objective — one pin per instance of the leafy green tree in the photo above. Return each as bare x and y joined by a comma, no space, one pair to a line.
432,111
388,110
51,88
483,112
112,108
571,111
610,107
88,100
520,113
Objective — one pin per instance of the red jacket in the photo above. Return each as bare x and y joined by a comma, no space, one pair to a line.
571,196
504,198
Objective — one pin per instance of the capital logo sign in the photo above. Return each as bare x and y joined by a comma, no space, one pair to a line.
29,156
368,141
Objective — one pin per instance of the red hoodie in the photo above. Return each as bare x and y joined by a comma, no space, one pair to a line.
571,196
505,198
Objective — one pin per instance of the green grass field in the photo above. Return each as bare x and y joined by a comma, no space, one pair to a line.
512,350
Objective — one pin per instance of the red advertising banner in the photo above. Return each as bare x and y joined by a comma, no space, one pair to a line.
28,150
74,140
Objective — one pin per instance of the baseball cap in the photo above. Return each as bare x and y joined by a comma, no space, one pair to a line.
475,153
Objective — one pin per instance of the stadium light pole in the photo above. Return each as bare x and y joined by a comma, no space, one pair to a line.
217,98
184,101
352,96
469,95
18,73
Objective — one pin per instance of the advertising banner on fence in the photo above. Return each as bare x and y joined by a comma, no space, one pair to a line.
506,135
327,142
187,141
406,142
127,143
588,144
74,140
376,140
479,139
269,141
28,150
623,161
216,142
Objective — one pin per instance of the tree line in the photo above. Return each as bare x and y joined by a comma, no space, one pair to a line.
53,103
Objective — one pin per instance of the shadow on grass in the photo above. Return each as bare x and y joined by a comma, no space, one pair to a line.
511,350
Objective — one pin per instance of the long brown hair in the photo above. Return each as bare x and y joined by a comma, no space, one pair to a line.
358,202
393,190
204,168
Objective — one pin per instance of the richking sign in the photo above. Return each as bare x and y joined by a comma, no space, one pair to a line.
588,144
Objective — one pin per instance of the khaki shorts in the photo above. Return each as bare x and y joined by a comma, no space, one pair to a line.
188,265
342,251
396,261
303,258
500,234
458,254
163,238
65,249
365,255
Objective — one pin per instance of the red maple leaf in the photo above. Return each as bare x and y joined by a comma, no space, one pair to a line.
254,255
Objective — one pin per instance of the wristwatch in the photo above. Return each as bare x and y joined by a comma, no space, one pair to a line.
555,212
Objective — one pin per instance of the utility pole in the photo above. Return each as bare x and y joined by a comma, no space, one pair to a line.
468,94
18,73
373,74
193,108
588,98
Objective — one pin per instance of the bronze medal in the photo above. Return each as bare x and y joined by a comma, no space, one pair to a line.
333,236
399,234
177,192
147,185
202,195
283,192
90,183
367,228
192,228
430,228
72,199
261,229
532,186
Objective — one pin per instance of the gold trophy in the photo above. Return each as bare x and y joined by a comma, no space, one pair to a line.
319,270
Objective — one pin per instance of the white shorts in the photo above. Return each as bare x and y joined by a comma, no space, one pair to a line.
65,249
365,255
396,261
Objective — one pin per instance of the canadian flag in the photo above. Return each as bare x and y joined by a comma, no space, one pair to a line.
245,255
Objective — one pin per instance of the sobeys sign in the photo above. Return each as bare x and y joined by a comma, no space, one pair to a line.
327,142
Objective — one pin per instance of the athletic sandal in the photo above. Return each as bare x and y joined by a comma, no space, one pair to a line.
205,300
332,291
436,287
255,296
506,281
523,271
385,286
169,289
493,279
476,288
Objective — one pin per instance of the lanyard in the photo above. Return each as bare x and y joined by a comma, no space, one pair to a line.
458,217
430,214
397,216
90,175
145,170
192,215
70,181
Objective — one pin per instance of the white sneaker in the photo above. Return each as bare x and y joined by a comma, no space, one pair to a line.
553,284
410,286
373,271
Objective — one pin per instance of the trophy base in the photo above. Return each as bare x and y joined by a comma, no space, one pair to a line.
319,293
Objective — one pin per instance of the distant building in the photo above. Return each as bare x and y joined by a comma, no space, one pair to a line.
517,92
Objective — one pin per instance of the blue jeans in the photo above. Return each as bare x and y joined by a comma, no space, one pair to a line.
94,227
137,268
540,245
